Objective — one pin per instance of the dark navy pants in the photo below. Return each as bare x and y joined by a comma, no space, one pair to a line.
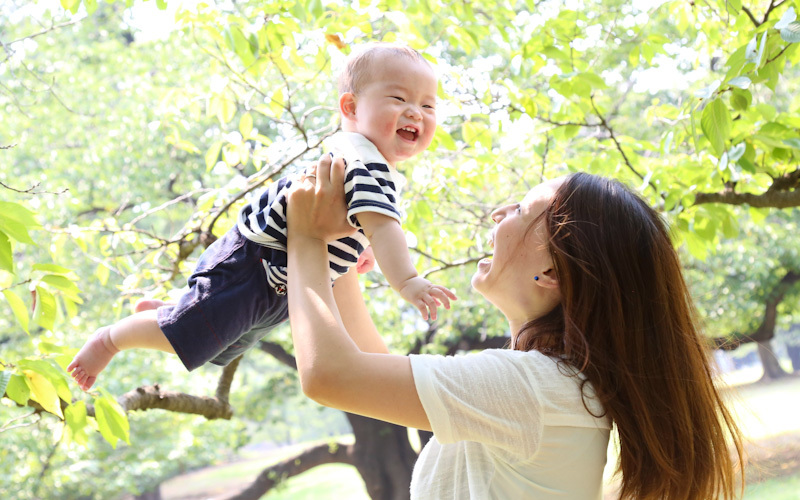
229,306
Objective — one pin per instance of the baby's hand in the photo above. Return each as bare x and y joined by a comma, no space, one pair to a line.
426,296
366,261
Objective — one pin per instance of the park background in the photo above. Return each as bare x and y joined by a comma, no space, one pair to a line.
132,131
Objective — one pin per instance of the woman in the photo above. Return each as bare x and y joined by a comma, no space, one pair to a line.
603,333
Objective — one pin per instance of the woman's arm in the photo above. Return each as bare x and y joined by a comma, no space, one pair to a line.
333,370
355,316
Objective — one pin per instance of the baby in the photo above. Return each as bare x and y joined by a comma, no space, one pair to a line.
237,293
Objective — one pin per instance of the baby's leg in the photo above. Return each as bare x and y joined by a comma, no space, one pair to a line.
140,330
147,304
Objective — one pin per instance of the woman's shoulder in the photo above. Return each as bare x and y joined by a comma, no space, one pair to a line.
532,365
562,388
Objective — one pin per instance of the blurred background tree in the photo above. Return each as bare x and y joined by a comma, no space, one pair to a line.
133,131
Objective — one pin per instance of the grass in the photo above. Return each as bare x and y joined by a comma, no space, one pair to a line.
784,488
327,481
767,414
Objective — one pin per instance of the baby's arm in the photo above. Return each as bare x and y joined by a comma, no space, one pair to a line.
389,244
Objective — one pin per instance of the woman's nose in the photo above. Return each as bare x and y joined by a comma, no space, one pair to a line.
497,215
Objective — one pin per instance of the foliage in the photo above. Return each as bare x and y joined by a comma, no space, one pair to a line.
126,151
732,285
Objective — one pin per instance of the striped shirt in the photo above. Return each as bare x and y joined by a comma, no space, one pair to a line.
371,185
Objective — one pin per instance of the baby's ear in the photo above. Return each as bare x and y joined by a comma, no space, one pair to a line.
347,105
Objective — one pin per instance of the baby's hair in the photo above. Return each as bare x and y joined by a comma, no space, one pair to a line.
357,70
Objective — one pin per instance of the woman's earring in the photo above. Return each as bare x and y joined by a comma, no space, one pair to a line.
535,278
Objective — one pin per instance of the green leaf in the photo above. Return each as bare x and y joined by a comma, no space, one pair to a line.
111,420
791,33
17,212
226,110
66,285
276,105
735,4
54,375
716,124
44,313
793,143
6,257
161,4
245,125
18,390
43,392
316,8
52,269
707,92
102,273
75,416
18,308
5,376
740,81
442,138
69,4
741,99
15,229
697,245
761,48
477,132
241,45
786,19
736,151
212,155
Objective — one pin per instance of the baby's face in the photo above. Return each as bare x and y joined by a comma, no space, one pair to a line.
396,109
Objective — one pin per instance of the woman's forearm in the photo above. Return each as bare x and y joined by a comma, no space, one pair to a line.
321,344
355,315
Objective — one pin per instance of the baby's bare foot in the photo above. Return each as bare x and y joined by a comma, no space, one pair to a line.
92,358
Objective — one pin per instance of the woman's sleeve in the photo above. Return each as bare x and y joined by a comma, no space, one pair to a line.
487,397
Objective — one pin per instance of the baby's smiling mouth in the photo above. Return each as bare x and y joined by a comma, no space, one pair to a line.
408,133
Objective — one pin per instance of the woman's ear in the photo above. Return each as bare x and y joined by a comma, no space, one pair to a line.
547,279
347,106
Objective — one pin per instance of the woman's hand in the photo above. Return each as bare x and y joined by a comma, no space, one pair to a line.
316,205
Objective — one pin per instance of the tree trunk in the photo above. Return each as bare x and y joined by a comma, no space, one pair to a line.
383,456
772,369
155,494
794,355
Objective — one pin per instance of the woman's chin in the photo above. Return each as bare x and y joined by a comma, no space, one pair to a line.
480,273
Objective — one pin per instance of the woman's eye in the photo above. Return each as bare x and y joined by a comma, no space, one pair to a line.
518,209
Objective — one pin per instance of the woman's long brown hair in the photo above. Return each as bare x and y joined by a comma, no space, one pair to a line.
627,321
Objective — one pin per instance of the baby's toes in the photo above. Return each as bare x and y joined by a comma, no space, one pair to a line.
89,383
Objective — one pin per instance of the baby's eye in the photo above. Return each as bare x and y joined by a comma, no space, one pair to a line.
428,106
398,98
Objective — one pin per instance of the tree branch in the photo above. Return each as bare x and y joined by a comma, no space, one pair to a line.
610,130
226,379
751,16
306,460
278,352
766,329
769,199
48,30
152,397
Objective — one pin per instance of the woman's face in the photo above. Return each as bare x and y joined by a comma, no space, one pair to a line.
520,254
